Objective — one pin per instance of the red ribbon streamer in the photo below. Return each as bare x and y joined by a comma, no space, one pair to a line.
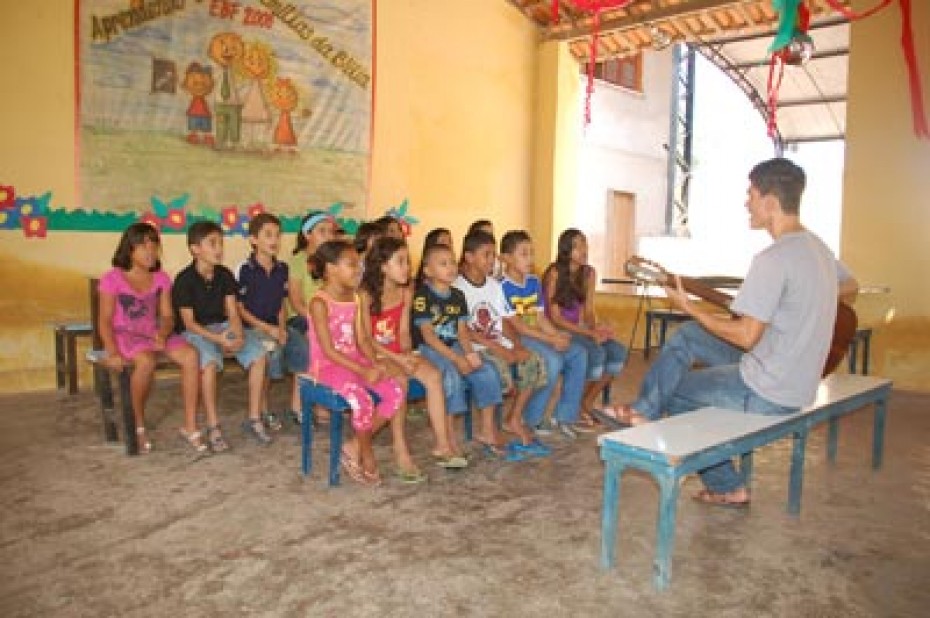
777,63
921,128
596,6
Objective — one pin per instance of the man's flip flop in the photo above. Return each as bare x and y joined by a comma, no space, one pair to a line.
714,499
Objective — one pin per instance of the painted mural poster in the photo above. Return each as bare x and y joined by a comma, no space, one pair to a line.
225,101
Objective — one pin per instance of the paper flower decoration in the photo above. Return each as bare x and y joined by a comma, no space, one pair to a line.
176,219
34,227
7,197
152,220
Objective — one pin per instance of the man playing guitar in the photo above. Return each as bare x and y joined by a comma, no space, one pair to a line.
767,357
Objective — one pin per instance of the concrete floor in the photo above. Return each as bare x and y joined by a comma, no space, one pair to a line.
86,531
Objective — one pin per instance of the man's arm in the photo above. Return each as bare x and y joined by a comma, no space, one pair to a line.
743,331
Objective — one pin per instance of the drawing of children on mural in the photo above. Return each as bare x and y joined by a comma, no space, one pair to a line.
284,98
198,81
257,65
226,49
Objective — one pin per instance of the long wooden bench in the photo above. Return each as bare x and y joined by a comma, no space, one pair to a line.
673,447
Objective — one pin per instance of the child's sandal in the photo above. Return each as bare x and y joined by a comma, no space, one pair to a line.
216,440
194,439
143,441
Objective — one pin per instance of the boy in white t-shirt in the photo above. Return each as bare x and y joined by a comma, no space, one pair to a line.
521,370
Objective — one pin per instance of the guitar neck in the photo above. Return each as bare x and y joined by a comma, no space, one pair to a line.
702,290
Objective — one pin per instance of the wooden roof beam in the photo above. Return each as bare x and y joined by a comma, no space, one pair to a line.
626,21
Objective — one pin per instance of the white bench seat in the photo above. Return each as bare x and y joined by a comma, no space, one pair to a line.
673,447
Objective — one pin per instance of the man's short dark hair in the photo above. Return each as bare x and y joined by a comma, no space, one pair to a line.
261,220
783,179
200,230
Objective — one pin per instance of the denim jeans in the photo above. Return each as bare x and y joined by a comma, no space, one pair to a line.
484,382
572,364
608,357
672,386
297,348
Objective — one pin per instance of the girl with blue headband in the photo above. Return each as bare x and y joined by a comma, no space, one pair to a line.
316,228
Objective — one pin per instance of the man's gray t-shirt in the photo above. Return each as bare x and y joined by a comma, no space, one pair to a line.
792,287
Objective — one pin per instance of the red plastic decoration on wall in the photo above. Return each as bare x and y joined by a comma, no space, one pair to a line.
595,7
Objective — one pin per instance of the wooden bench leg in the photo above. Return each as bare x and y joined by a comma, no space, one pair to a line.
745,468
335,446
665,530
129,419
59,358
105,384
609,510
71,351
797,473
878,434
833,434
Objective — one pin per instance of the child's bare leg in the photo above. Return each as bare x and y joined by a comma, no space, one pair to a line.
295,396
366,451
592,391
256,387
516,424
399,440
186,359
489,432
431,378
455,448
208,393
140,385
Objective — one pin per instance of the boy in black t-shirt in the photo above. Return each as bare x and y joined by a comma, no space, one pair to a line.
441,336
204,299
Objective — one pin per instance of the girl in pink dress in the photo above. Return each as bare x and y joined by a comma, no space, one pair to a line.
342,356
386,297
136,325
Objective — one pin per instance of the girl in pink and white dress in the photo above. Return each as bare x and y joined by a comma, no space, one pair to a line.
342,356
136,325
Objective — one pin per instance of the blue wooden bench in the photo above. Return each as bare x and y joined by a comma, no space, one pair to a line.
673,447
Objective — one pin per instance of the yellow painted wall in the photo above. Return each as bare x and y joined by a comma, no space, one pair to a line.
453,134
886,210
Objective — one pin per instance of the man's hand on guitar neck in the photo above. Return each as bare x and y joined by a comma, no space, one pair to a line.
678,297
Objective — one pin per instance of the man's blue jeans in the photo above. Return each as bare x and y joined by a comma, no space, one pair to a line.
673,386
572,364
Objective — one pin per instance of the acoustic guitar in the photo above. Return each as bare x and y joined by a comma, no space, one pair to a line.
647,271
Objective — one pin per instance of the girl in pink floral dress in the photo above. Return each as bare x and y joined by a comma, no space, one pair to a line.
341,356
136,324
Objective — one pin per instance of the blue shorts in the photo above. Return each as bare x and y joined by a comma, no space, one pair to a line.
210,352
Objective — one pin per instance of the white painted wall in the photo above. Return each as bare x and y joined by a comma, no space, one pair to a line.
623,150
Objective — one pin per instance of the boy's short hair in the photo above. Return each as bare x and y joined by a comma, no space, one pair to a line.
200,230
512,239
475,240
783,179
432,250
261,220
